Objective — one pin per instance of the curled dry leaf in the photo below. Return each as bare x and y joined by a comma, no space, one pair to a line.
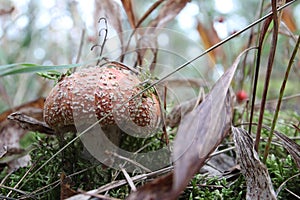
167,13
148,41
259,185
127,4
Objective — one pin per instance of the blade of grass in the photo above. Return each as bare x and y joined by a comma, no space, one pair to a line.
285,79
257,67
18,68
269,71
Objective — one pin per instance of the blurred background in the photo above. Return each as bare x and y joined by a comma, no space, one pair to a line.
50,32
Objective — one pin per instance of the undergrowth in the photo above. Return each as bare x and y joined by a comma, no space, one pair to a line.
87,174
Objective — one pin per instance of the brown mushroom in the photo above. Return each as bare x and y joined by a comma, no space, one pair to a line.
101,92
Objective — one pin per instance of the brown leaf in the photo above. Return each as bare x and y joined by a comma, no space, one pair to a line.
38,103
148,41
289,20
173,119
210,37
148,12
11,132
167,13
202,130
65,187
259,185
127,4
291,146
30,123
159,189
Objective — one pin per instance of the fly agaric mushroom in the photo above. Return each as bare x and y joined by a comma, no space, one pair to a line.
101,93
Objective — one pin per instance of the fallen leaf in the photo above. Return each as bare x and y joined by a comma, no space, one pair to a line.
202,130
65,187
174,117
259,185
148,12
11,133
26,107
291,146
30,123
159,189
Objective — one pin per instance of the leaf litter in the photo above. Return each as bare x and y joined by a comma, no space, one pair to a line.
199,134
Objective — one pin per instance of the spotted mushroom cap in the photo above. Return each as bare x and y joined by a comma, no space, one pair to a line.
93,93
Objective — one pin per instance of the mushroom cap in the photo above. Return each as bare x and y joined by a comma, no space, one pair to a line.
93,93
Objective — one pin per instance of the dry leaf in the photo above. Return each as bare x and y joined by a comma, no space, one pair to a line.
65,187
289,20
148,12
167,13
38,103
148,41
11,133
127,4
30,123
259,185
159,189
202,130
291,146
174,117
210,37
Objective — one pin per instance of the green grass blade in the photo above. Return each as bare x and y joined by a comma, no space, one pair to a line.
18,68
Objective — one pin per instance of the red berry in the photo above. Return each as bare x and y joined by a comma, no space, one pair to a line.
241,96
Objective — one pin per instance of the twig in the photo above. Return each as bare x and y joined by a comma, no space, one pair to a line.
80,48
103,197
284,182
13,189
23,177
128,160
128,179
295,195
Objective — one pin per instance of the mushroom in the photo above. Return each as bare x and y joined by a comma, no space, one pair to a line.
102,93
